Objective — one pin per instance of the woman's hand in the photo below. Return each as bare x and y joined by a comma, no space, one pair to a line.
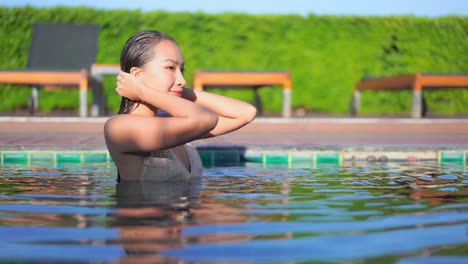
130,86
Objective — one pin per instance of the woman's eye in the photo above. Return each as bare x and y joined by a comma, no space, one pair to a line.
170,68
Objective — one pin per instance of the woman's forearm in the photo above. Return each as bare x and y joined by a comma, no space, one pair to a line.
233,114
175,106
222,105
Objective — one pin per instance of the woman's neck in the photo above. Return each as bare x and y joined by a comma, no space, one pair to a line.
145,110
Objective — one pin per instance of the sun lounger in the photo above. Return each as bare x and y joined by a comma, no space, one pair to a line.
60,55
247,79
416,82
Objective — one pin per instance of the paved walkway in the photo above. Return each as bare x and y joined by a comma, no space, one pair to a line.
263,133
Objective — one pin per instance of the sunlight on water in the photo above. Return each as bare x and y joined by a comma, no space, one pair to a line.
405,213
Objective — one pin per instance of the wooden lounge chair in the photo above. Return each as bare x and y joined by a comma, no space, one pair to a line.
416,82
60,55
247,79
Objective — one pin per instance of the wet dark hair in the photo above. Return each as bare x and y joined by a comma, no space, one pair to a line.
138,50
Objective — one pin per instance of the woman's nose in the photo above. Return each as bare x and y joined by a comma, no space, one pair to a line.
181,80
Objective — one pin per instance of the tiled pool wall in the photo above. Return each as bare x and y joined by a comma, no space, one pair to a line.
212,158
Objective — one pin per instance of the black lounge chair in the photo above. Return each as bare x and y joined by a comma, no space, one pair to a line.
60,55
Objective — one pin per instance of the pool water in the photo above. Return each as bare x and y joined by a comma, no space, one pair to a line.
405,213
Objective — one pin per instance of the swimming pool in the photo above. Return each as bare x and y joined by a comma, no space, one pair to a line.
351,212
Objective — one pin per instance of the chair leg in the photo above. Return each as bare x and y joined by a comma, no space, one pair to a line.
355,103
103,108
287,108
417,105
258,102
96,107
33,101
424,106
84,93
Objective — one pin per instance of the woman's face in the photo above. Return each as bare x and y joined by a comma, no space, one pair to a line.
164,72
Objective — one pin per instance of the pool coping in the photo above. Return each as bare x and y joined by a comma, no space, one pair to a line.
274,120
265,147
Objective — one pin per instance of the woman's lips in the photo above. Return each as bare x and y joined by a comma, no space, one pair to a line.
177,93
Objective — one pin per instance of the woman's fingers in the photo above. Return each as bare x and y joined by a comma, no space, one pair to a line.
120,87
123,75
127,85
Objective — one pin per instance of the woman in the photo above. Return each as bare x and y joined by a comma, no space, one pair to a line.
149,147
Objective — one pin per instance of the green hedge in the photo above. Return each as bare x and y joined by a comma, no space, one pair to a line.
326,55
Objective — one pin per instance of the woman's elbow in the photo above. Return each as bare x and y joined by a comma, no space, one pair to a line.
211,120
250,112
206,120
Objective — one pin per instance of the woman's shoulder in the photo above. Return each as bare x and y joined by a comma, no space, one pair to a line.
115,119
113,123
120,124
122,121
133,133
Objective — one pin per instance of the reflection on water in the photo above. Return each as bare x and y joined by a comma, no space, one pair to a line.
405,213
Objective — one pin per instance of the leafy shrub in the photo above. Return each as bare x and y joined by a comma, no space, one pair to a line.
326,55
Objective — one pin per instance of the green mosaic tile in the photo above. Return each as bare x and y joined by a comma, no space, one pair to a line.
226,157
453,162
444,156
69,157
328,157
42,156
302,156
253,156
95,157
68,165
328,164
277,157
276,165
206,158
302,164
41,163
15,157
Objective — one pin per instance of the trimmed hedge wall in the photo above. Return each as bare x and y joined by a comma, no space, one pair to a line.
326,55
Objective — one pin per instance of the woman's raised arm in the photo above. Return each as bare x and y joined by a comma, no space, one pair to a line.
134,133
233,114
